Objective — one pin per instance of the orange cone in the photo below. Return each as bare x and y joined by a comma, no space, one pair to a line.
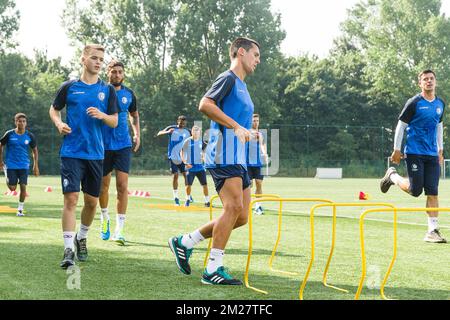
48,189
363,196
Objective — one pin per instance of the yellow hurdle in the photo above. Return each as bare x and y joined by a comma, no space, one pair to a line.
214,197
333,240
250,229
394,255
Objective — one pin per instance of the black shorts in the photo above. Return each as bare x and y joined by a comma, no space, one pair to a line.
16,176
423,173
220,174
117,159
175,168
255,173
201,176
88,173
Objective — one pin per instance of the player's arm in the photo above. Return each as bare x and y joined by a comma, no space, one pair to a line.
55,116
111,120
34,149
262,146
440,142
399,132
164,131
184,153
35,161
407,114
1,156
211,110
135,126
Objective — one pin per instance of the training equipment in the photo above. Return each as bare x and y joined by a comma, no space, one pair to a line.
328,173
395,211
48,189
139,193
363,196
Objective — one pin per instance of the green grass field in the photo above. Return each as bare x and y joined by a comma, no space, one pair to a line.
31,247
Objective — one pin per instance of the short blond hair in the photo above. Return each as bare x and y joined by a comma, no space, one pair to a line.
87,48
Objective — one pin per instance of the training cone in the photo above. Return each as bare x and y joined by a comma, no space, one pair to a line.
48,189
363,196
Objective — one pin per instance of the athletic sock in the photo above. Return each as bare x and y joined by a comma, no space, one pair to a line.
206,199
396,178
105,214
175,194
120,222
82,233
20,207
189,240
215,260
68,239
432,223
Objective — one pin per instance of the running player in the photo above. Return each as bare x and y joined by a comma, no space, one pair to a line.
230,108
16,143
424,150
90,102
118,147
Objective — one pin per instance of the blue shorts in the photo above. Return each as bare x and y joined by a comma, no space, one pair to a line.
88,173
117,159
255,173
175,168
423,173
201,176
220,174
16,176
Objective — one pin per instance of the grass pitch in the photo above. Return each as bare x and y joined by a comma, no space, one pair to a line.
31,247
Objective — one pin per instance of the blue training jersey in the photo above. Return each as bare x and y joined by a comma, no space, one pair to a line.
176,141
231,96
16,149
119,137
193,150
422,117
254,150
86,139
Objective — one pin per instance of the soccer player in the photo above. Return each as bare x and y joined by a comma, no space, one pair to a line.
177,135
17,161
256,149
193,157
422,118
118,147
89,103
230,108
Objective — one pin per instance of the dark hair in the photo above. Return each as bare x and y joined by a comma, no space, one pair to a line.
241,42
425,72
19,115
115,63
181,117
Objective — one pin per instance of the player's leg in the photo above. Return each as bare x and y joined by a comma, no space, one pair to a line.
201,176
71,172
236,207
432,173
22,195
91,184
174,171
189,181
393,178
122,205
258,181
184,172
105,220
12,179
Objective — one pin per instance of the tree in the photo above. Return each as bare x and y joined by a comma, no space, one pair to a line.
9,18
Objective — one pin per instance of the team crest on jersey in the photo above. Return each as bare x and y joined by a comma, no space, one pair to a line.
101,96
27,141
124,100
439,111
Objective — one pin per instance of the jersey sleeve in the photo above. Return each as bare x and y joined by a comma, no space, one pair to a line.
33,142
113,106
133,105
221,88
408,111
61,96
4,139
